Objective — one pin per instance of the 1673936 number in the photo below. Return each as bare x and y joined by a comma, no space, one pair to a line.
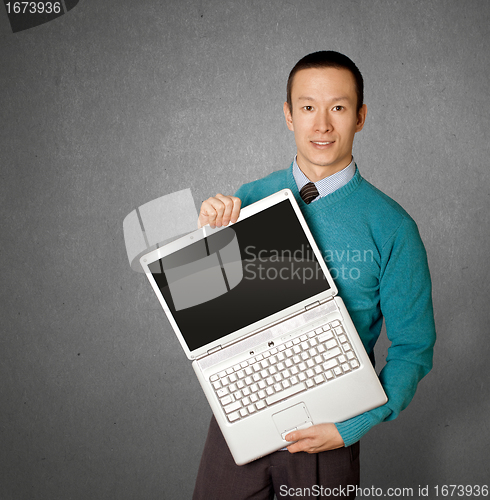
33,7
459,490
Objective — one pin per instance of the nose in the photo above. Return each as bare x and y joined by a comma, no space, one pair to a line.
323,122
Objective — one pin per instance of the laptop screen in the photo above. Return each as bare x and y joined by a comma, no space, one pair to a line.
239,275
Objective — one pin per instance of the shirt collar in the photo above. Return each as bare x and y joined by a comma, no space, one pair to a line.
328,184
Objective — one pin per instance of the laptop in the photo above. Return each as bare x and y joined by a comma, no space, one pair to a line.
256,310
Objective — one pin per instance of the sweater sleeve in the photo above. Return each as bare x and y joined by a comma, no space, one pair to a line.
406,305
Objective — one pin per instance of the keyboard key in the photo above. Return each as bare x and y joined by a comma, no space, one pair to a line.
221,392
233,416
331,354
291,391
233,407
214,377
227,400
319,379
330,364
325,336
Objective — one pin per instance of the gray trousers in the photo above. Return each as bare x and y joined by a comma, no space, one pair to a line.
329,474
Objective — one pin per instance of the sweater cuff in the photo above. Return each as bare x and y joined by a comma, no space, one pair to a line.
353,429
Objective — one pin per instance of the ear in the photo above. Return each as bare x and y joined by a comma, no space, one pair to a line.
288,116
361,118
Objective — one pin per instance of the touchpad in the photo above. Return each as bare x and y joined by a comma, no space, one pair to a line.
292,418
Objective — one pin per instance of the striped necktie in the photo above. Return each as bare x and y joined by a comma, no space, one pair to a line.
308,192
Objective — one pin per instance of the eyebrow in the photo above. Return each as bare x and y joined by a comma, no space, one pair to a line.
306,98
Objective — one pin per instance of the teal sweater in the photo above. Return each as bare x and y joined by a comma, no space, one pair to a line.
378,261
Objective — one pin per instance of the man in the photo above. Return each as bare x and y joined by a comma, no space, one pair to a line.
375,254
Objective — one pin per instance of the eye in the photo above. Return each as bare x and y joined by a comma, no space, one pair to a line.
338,108
308,108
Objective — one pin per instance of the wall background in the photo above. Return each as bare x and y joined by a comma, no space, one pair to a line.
119,102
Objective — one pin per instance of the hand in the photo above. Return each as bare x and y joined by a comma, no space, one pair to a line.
321,437
219,211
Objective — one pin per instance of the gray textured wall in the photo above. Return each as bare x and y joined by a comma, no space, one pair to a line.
119,102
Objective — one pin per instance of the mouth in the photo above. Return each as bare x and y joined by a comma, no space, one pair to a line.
322,144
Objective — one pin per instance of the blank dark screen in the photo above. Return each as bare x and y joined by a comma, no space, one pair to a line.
239,275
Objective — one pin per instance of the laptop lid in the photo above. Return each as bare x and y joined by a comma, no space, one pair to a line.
220,285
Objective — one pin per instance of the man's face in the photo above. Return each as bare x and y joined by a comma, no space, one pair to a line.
324,119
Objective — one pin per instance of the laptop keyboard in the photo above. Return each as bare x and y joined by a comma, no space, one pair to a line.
315,358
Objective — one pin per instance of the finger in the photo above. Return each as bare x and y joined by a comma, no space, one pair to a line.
237,203
209,212
305,445
230,212
309,432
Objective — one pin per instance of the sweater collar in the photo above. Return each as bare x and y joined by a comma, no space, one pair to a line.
326,201
327,185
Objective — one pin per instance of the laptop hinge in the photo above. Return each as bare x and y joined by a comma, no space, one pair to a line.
214,349
312,305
